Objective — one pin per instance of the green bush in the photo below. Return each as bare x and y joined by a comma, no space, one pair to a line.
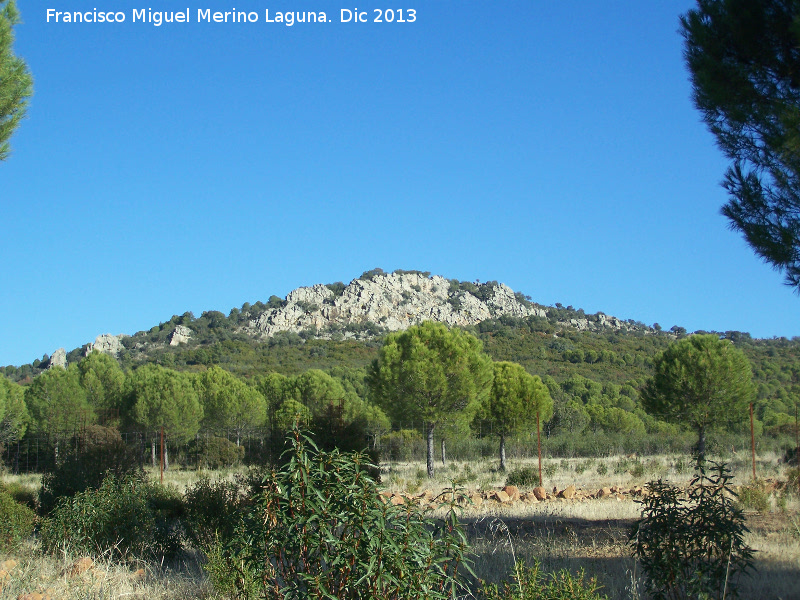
637,469
793,480
22,494
124,519
16,521
95,453
399,445
319,529
691,545
525,477
218,453
212,512
532,584
754,497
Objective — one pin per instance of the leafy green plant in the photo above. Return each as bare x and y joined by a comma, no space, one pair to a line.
218,452
16,521
212,511
21,494
691,544
754,497
94,453
602,469
319,529
529,583
399,445
525,477
124,519
637,469
793,479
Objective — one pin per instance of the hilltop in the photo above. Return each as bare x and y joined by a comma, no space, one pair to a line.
368,307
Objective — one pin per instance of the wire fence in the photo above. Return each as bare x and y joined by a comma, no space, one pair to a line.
212,449
207,449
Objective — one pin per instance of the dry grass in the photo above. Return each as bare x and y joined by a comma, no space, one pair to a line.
589,535
58,578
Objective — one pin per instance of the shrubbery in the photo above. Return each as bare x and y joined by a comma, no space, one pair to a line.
399,445
95,453
691,545
525,477
218,453
754,497
319,529
531,584
124,518
212,511
16,521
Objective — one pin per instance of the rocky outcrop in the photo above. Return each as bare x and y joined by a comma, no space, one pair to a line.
110,344
58,359
390,302
180,335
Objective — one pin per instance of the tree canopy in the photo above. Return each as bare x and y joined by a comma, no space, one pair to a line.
13,413
701,382
102,379
229,403
16,84
57,403
516,397
427,373
744,59
159,397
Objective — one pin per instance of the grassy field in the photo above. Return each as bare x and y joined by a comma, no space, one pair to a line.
589,534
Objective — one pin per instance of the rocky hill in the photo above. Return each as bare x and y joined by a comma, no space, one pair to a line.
396,301
369,306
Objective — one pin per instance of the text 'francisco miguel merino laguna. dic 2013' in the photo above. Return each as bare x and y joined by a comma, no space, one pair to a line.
206,15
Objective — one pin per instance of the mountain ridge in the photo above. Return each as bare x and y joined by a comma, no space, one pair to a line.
371,305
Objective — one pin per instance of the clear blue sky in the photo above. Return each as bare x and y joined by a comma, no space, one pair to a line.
196,166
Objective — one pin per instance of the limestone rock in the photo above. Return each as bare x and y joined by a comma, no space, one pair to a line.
604,492
512,491
387,302
567,493
58,359
80,566
110,344
180,335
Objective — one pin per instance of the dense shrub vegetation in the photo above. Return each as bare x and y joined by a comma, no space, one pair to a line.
691,544
319,529
530,583
16,521
124,518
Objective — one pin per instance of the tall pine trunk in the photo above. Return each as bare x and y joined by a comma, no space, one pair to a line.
701,444
429,427
444,454
502,452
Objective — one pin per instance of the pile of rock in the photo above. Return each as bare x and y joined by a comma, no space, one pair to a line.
511,494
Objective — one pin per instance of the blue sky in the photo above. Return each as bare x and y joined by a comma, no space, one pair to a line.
197,166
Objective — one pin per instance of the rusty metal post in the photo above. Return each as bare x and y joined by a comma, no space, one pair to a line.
753,441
